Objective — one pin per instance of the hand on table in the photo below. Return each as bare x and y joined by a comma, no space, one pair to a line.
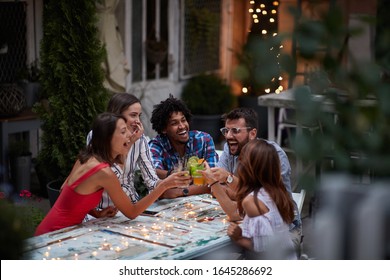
234,231
109,211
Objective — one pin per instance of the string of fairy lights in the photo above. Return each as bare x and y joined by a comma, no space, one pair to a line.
264,15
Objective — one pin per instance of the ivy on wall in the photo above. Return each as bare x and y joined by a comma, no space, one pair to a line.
72,82
202,36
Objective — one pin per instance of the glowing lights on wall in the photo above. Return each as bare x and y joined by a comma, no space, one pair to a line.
264,11
264,15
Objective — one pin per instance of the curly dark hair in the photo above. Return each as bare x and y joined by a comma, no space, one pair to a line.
163,111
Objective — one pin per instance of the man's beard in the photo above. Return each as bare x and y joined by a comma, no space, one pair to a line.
239,147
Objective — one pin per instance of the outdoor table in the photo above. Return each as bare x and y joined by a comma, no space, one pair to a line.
181,228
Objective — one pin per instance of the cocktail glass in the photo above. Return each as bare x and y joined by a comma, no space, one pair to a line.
197,177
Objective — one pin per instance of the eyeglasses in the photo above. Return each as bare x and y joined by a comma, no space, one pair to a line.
234,130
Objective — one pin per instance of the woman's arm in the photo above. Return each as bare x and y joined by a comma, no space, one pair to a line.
229,206
123,202
109,211
235,233
178,192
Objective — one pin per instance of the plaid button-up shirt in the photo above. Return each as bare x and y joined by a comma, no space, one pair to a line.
200,144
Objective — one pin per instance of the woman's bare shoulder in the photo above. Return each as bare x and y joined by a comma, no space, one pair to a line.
107,173
250,207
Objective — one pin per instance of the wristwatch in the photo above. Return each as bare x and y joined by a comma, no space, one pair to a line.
185,191
229,179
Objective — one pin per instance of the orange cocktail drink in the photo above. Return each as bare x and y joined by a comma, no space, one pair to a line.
197,177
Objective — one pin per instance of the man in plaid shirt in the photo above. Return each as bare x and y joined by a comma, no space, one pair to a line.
175,143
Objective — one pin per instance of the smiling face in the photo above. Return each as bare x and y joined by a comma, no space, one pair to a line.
133,115
120,142
237,141
177,128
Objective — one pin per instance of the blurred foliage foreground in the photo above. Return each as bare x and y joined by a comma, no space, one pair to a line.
356,138
20,214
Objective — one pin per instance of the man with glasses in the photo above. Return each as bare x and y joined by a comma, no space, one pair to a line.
241,127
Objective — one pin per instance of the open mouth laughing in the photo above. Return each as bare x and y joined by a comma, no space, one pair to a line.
233,146
182,133
127,144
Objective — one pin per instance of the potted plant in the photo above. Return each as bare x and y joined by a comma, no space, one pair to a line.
156,51
12,99
258,73
20,164
29,81
208,97
53,190
72,84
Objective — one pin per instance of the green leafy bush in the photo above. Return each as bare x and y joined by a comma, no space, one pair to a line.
358,141
72,82
207,95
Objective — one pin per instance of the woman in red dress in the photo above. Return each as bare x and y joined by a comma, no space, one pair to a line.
91,174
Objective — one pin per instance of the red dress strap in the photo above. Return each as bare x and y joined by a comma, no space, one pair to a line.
87,174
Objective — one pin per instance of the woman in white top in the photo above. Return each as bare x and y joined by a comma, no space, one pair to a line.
263,199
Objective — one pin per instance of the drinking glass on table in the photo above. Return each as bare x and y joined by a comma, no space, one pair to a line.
197,177
179,166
